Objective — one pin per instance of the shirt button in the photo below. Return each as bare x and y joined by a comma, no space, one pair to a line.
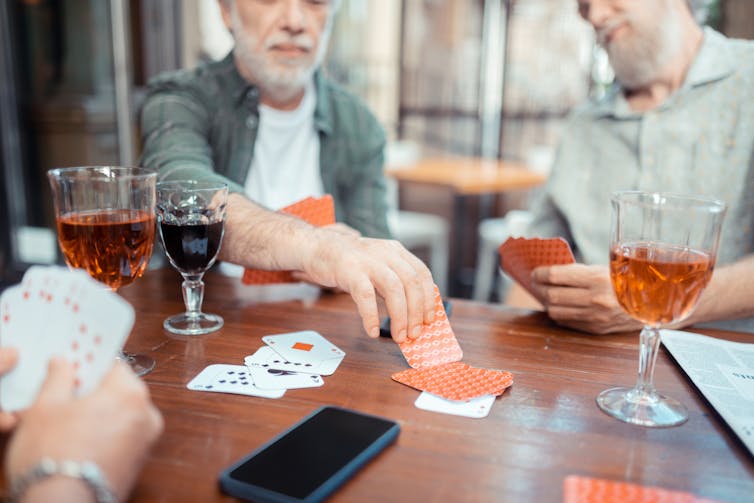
252,121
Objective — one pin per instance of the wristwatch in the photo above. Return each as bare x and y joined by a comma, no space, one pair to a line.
86,471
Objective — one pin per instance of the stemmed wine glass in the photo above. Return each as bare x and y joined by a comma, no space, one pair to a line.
106,225
191,216
662,252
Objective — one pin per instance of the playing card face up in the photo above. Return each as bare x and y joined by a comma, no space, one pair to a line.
306,347
318,212
520,256
266,357
589,490
59,312
456,381
234,379
478,407
436,345
267,378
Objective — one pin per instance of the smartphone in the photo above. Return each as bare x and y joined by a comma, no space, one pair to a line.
311,459
385,324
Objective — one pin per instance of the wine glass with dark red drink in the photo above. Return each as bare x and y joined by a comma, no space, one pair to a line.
106,225
662,253
191,217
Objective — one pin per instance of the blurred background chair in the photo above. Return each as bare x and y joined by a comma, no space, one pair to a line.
494,231
413,229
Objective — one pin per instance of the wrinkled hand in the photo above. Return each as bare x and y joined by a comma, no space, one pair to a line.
581,297
336,227
8,358
114,426
365,267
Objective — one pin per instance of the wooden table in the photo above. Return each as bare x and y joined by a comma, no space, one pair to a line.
467,177
545,427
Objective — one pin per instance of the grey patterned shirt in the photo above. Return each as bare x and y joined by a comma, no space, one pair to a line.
700,141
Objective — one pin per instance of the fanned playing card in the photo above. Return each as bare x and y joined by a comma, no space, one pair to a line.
318,212
436,345
456,381
577,489
59,312
520,256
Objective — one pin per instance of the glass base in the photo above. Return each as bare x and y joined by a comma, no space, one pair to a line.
645,409
140,364
198,324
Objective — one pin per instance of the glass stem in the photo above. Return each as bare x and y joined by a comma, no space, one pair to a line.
193,294
649,345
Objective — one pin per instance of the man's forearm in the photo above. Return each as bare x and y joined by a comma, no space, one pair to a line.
729,295
257,237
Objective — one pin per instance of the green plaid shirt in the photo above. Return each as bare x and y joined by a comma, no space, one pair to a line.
203,123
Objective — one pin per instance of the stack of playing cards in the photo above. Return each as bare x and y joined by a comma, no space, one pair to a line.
520,256
55,311
447,385
293,360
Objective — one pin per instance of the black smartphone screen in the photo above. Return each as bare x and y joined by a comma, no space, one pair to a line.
311,453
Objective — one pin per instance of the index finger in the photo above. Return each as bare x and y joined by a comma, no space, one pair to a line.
577,275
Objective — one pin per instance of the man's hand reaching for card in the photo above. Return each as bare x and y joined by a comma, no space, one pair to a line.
365,268
581,297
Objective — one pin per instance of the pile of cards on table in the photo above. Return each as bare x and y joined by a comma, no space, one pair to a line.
288,361
448,385
56,311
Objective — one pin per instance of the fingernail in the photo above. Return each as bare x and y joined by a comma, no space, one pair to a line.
401,336
416,331
431,316
374,333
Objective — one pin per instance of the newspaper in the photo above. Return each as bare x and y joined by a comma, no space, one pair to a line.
724,372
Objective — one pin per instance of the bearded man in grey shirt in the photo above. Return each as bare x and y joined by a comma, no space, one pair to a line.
680,119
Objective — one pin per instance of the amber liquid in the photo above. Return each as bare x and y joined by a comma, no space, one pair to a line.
113,246
658,284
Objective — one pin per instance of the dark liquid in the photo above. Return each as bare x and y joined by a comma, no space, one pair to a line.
113,246
192,248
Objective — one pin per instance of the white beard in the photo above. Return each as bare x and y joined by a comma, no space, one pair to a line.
281,80
641,60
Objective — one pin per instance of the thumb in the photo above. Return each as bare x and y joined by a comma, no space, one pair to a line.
59,385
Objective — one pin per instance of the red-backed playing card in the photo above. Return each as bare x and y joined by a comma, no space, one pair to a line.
436,345
456,381
318,212
578,489
520,256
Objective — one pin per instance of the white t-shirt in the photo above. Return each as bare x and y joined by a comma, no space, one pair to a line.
285,165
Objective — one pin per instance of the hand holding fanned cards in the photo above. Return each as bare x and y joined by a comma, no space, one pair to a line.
57,312
449,385
289,361
318,212
520,256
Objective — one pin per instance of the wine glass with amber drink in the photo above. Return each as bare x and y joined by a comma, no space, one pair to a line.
662,253
106,226
191,216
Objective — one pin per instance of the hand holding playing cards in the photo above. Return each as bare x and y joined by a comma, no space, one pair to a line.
114,427
581,297
8,357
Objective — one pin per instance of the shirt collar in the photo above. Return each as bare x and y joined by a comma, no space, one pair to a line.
713,62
